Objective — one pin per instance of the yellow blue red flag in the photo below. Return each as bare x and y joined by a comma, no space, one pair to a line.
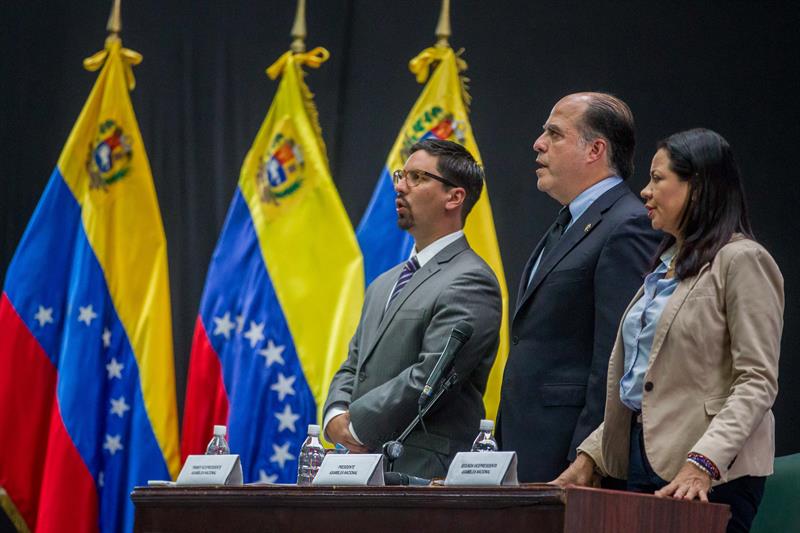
440,112
87,385
282,296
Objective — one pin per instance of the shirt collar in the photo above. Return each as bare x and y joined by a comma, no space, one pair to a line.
584,200
665,259
427,253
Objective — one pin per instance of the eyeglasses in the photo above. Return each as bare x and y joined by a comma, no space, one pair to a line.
414,177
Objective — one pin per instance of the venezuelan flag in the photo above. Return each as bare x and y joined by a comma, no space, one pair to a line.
87,386
440,112
282,296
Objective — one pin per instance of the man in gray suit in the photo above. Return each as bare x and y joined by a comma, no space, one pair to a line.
408,315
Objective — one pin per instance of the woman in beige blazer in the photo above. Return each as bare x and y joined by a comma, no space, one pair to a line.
694,370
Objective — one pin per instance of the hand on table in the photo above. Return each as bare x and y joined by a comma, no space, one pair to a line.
691,482
580,472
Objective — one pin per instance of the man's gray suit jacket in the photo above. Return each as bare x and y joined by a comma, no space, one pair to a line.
394,351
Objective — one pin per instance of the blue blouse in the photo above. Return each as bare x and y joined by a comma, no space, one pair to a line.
639,328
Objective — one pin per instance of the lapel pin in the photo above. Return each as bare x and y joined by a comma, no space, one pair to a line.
587,228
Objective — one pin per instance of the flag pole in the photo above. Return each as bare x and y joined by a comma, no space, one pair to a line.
299,28
114,25
443,31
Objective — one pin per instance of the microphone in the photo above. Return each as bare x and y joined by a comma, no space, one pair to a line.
397,478
460,334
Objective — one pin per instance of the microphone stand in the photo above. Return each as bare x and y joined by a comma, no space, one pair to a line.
393,449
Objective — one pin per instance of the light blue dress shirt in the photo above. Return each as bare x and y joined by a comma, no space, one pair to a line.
580,204
639,328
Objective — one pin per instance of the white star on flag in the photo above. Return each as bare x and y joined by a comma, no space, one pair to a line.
255,333
223,325
106,338
239,323
272,353
263,477
283,386
287,419
281,454
113,444
118,407
44,316
114,368
87,314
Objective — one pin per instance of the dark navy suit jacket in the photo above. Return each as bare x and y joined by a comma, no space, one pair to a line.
563,329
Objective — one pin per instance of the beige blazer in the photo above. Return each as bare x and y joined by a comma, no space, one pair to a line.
712,376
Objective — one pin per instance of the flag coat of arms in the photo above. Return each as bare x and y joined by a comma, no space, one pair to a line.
283,292
87,385
440,112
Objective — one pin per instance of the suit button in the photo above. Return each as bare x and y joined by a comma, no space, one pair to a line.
362,376
648,386
514,340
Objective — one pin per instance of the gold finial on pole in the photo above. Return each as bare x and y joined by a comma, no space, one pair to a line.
443,31
299,28
114,25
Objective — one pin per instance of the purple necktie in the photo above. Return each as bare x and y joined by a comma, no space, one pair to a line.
410,267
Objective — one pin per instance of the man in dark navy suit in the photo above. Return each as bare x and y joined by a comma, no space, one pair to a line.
575,286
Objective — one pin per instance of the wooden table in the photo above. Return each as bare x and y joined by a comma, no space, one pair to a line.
529,507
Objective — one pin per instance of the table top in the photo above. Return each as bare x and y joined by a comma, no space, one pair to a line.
399,496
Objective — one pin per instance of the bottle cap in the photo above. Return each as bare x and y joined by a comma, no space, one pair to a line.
487,425
220,430
313,430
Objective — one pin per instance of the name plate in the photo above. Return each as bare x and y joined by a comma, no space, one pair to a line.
483,468
350,469
211,470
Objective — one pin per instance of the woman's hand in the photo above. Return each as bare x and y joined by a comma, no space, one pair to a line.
691,482
580,472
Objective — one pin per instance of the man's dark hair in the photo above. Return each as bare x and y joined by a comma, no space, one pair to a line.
456,164
609,117
715,206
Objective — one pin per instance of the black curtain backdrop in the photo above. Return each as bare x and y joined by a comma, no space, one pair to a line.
202,93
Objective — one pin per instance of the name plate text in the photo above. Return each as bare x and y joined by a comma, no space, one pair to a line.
350,469
483,468
211,470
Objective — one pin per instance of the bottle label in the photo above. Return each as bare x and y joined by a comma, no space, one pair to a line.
351,469
211,470
483,468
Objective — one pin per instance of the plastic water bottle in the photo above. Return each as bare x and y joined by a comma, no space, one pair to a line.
485,442
311,455
218,444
